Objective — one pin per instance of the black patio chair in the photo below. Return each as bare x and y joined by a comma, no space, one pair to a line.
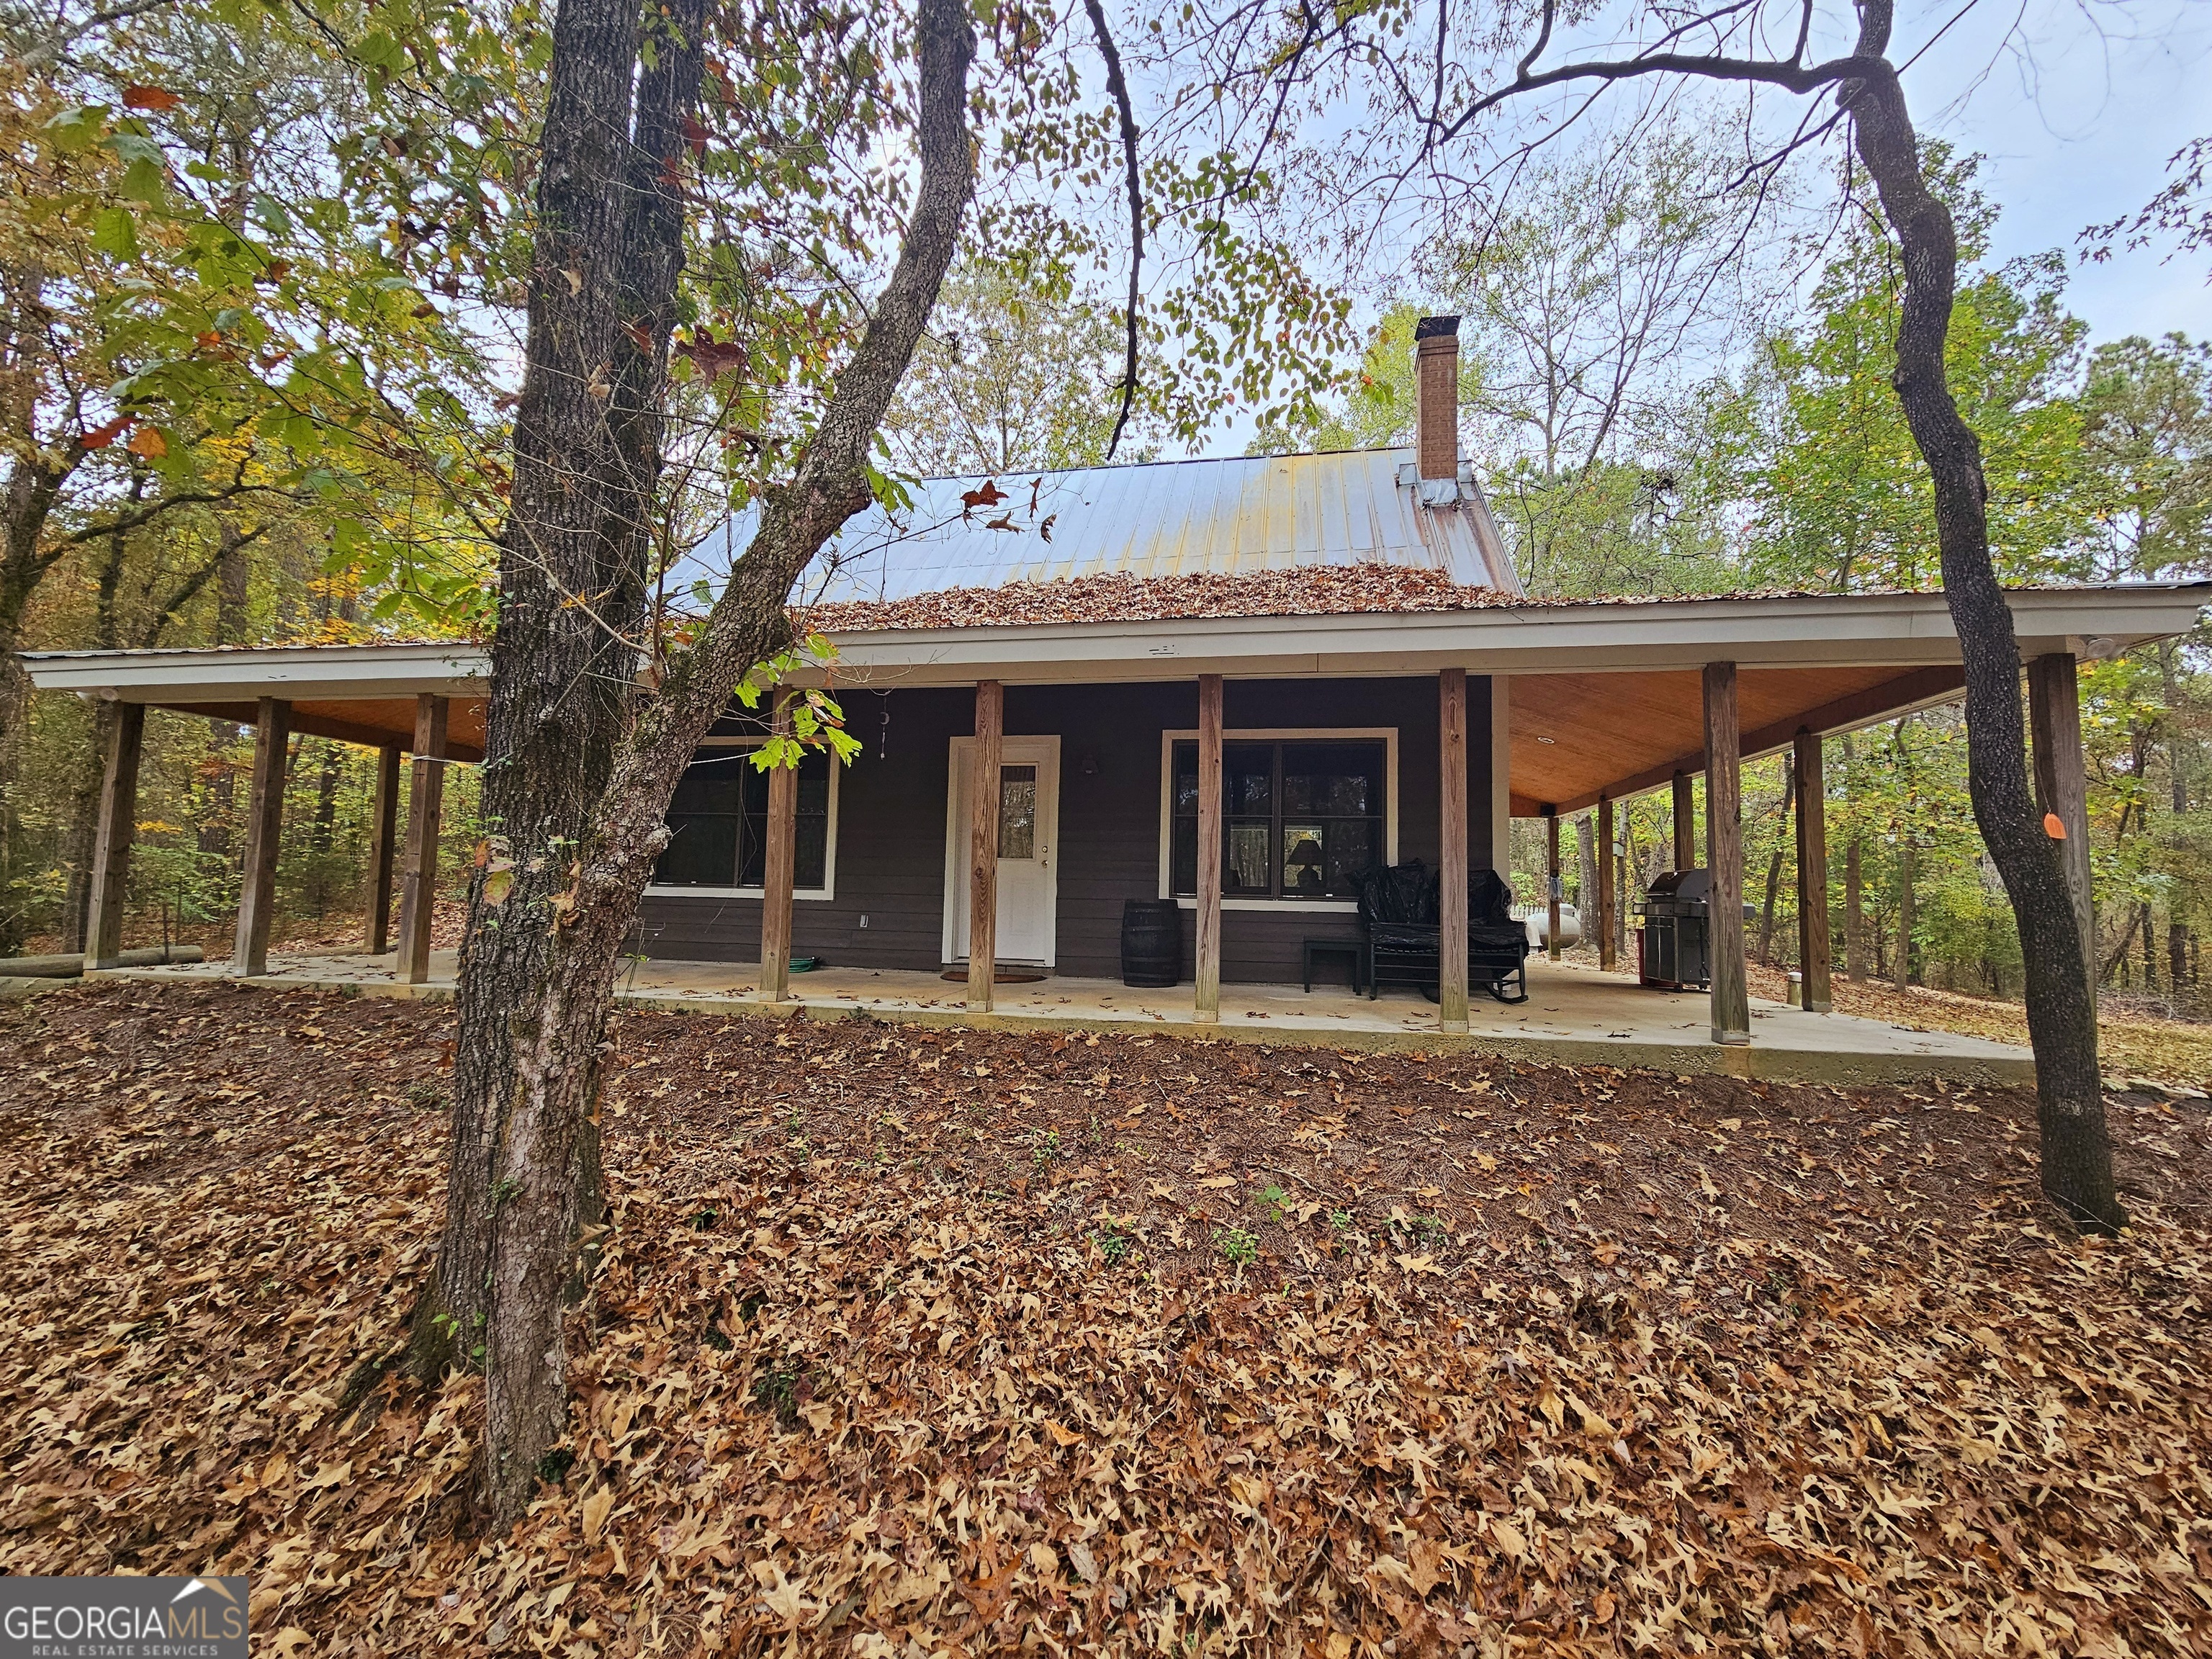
1400,929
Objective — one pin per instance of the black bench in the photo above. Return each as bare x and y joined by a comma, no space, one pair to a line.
1400,924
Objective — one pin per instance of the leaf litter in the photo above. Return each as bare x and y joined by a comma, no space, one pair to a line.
914,1341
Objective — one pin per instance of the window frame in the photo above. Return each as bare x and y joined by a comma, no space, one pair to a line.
1387,734
828,889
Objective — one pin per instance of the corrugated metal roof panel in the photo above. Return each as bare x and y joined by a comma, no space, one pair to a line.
1228,517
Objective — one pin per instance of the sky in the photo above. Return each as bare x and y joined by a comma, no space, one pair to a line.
2076,107
2077,118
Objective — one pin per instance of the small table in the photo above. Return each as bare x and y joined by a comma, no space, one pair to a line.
1348,948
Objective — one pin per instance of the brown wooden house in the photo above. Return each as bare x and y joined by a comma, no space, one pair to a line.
1235,683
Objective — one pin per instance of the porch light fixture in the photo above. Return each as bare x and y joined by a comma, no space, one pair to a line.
1543,739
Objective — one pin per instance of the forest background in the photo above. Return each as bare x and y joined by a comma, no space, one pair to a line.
261,320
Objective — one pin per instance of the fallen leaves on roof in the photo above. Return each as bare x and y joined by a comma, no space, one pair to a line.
910,1342
1118,596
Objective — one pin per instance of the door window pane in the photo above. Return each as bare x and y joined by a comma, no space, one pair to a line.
1018,812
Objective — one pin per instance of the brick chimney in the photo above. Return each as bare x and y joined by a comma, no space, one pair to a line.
1436,398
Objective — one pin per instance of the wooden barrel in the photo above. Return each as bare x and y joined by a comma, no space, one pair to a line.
1152,942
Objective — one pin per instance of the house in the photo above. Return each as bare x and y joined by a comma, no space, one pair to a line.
1234,684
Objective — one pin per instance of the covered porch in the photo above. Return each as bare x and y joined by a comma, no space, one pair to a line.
1478,708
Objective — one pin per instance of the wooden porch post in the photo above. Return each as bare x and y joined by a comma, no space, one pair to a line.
1815,952
418,878
1552,882
1452,883
1608,896
983,842
111,849
383,826
264,825
1685,823
2062,785
1724,857
1206,1002
782,857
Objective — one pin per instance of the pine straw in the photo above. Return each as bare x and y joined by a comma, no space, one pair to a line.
918,1343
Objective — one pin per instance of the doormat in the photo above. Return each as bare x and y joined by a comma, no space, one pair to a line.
1004,976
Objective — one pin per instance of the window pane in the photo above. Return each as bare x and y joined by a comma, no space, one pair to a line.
1182,858
703,823
1302,858
1248,779
704,852
1018,812
1244,863
1186,779
1336,778
1350,847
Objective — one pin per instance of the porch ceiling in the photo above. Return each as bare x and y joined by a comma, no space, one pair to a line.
1577,737
379,722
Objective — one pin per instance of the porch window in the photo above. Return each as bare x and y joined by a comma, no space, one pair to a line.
1301,818
719,821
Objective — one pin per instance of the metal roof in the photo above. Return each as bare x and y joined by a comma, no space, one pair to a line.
1230,516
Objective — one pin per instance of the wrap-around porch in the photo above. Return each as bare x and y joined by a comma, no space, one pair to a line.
1520,709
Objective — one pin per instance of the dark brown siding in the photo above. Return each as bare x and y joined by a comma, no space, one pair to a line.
891,805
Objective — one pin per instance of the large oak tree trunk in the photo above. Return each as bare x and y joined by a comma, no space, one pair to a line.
2077,1163
581,765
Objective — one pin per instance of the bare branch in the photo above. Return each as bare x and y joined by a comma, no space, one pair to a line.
1120,88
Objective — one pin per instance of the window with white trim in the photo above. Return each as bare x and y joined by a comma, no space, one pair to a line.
718,819
1303,814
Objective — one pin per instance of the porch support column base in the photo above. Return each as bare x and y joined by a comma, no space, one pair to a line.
1452,883
1724,857
1206,1000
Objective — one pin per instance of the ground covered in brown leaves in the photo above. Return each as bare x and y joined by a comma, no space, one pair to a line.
929,1342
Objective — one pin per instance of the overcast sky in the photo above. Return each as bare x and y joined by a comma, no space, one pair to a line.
2078,128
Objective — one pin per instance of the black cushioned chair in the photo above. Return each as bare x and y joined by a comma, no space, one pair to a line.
1399,928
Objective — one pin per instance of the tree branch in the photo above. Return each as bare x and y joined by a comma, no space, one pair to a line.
1120,88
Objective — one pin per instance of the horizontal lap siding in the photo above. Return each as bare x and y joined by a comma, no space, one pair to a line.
891,805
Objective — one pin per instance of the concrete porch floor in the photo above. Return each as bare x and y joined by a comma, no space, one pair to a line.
1574,1016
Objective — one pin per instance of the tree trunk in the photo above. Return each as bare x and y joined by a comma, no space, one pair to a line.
561,672
1855,961
2077,1161
1586,876
1900,965
539,961
1774,872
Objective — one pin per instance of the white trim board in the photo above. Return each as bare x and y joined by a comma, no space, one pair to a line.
813,895
1388,734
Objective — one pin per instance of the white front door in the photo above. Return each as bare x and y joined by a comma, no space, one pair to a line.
1028,831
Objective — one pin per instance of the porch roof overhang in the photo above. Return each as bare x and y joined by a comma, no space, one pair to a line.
361,693
1604,701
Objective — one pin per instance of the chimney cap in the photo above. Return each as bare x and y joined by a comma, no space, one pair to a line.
1433,328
